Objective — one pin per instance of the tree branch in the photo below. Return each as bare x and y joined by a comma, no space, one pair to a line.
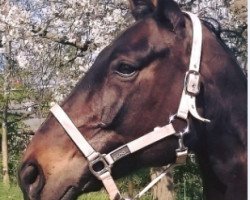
29,133
42,32
190,3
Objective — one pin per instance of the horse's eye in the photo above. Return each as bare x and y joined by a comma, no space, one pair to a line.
126,70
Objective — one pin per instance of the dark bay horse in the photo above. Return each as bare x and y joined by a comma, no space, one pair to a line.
134,85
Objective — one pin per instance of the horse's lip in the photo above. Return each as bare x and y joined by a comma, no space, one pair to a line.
70,194
86,185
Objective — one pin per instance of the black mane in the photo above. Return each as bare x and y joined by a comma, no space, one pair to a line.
214,26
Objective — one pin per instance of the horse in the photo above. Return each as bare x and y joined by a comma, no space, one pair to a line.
135,85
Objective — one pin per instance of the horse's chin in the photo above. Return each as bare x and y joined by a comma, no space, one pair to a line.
91,186
70,194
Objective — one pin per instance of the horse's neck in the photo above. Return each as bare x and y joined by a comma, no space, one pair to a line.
225,90
226,101
222,143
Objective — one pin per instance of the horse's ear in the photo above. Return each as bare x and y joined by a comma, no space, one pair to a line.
142,8
166,11
169,13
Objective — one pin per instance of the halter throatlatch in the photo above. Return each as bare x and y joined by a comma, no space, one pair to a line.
187,105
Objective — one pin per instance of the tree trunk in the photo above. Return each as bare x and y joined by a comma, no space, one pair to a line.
6,179
164,189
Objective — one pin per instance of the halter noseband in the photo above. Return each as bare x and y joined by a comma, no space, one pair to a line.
187,105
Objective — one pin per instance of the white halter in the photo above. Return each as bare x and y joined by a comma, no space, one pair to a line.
187,105
192,79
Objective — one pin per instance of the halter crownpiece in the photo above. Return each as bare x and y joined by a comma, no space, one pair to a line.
187,105
192,79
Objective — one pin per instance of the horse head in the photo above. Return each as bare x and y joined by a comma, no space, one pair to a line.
134,85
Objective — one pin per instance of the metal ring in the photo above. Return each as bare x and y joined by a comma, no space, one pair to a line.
185,130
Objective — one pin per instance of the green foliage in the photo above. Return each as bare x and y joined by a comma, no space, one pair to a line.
17,141
139,178
15,94
187,181
16,144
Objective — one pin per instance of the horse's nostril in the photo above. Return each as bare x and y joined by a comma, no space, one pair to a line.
31,179
30,174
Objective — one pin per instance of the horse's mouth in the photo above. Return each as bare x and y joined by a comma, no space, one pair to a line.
87,186
73,192
70,194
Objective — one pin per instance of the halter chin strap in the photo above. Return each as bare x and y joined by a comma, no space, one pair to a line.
187,104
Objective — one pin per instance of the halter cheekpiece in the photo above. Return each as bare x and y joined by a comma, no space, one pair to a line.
187,105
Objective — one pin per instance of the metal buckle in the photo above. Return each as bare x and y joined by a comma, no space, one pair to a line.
182,151
99,166
192,82
181,157
180,142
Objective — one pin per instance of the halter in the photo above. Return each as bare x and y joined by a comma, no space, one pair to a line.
187,105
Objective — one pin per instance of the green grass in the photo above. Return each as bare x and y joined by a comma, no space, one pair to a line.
14,193
11,193
102,195
139,179
94,196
